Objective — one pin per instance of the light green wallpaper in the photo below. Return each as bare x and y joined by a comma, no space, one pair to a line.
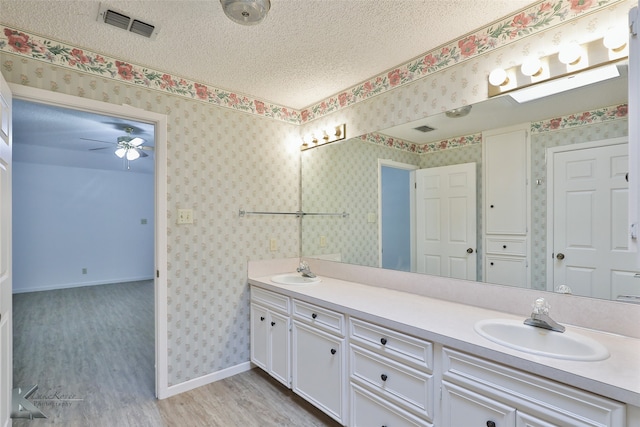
219,161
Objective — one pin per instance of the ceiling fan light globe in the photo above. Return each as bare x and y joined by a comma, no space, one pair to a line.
120,152
132,154
136,141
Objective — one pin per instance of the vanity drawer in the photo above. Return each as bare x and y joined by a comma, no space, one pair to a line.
270,299
506,246
322,318
393,344
531,394
368,410
399,383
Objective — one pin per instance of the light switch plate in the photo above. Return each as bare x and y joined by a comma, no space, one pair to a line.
185,216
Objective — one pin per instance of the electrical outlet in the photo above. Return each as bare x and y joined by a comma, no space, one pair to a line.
185,216
323,241
84,271
273,244
143,221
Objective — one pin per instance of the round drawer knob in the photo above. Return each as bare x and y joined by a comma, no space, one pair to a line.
383,341
383,377
490,263
262,318
504,246
314,315
273,323
491,424
333,351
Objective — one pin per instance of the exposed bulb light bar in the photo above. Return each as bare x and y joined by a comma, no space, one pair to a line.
563,84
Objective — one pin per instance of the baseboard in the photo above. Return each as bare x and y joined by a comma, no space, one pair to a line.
80,284
204,380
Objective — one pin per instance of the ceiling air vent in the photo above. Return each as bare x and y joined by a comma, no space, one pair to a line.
424,128
120,20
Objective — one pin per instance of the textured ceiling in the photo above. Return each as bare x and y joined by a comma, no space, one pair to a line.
303,52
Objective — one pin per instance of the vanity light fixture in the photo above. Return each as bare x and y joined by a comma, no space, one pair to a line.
329,135
246,12
537,77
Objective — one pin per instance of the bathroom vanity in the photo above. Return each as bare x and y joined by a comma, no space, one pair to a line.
370,355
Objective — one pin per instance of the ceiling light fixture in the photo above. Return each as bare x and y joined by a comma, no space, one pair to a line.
246,12
456,113
128,146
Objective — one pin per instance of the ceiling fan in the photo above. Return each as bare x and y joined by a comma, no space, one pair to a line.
127,147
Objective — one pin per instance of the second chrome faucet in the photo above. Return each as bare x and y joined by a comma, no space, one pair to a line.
540,317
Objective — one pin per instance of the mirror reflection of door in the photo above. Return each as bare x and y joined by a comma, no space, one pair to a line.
446,221
397,250
589,197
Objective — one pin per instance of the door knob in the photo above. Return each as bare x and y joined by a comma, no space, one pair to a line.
469,251
560,256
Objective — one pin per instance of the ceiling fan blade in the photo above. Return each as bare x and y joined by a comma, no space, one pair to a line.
142,153
97,140
100,148
145,147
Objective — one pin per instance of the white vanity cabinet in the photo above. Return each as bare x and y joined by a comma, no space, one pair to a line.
270,337
319,358
505,154
391,377
482,393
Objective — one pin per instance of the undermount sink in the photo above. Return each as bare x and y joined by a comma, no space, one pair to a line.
530,339
294,279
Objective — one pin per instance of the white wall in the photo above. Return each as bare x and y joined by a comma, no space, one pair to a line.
66,219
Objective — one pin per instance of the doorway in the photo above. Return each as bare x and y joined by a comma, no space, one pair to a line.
159,123
397,219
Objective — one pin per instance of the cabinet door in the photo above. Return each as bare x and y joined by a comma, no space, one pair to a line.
318,369
506,271
259,339
279,343
505,171
462,408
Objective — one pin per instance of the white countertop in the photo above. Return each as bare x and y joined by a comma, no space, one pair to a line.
452,324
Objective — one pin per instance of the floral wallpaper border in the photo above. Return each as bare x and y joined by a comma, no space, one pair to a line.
400,144
539,16
598,115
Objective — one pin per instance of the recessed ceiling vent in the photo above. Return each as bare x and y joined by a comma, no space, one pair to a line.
424,128
121,20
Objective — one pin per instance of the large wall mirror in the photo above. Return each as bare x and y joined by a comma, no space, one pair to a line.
371,178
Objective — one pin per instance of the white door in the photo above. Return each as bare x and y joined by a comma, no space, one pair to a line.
6,333
446,221
590,197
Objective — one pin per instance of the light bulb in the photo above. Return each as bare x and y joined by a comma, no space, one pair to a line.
132,154
615,39
498,77
531,67
120,152
570,53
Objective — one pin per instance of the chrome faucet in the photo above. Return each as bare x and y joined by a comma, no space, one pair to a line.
540,317
305,269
